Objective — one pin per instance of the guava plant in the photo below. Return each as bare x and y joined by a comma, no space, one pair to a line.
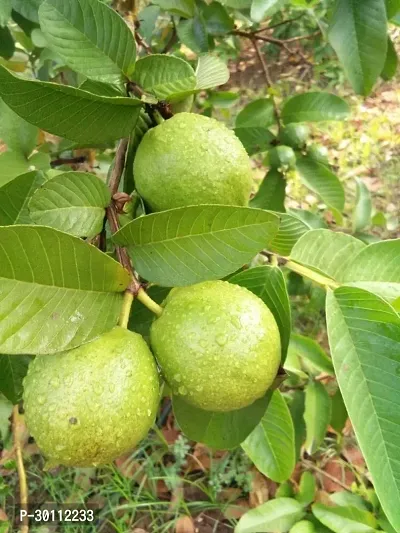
172,278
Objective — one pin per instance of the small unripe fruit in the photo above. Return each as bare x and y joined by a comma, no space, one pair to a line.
295,135
192,160
281,157
218,345
89,405
318,153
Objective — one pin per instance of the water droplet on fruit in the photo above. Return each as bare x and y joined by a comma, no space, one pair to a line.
182,390
41,400
221,339
148,412
55,382
178,378
236,322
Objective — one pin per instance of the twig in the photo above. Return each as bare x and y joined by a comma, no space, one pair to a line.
141,42
171,41
311,465
119,165
67,161
23,486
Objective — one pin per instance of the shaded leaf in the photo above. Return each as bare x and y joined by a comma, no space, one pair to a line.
7,44
339,414
217,19
56,291
296,408
271,444
364,336
73,202
5,12
258,113
260,9
183,8
310,350
218,430
13,369
314,107
321,180
211,72
15,195
108,44
274,516
268,283
307,489
363,208
27,8
317,415
18,135
358,34
254,139
68,112
192,244
272,192
193,34
392,8
391,63
290,231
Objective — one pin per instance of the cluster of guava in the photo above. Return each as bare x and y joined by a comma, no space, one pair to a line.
216,344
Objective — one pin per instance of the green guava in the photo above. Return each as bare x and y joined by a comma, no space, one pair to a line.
304,526
318,153
295,135
89,405
217,344
282,156
190,160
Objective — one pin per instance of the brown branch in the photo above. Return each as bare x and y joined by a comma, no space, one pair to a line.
67,161
18,430
119,165
141,42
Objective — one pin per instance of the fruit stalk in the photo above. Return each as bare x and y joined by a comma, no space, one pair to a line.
23,486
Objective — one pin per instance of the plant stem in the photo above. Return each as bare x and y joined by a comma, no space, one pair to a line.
126,309
23,486
145,299
314,276
119,165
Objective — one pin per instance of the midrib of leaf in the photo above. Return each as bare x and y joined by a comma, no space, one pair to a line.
346,332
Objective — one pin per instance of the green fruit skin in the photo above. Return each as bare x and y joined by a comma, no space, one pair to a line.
295,135
303,527
282,156
191,160
89,405
218,345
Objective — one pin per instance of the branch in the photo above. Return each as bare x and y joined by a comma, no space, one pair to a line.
119,165
18,430
141,42
67,161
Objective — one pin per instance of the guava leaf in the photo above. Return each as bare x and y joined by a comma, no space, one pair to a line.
391,63
364,337
311,351
343,519
192,244
27,8
193,33
317,415
358,34
5,12
268,283
108,44
258,113
254,139
260,9
56,291
13,369
15,195
321,180
211,72
314,107
296,408
217,19
274,516
363,209
68,112
307,488
164,76
271,444
218,430
290,231
18,135
272,192
73,202
183,8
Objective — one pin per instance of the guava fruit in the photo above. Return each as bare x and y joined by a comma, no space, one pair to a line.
217,344
191,160
319,153
89,405
295,135
282,156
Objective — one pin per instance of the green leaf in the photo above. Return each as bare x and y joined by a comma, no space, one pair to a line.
255,140
18,135
192,244
183,8
268,283
307,489
237,4
290,231
260,9
56,291
193,34
15,195
211,72
164,76
313,220
296,408
73,202
349,499
68,112
363,208
259,113
392,8
321,180
376,268
272,192
274,516
339,414
327,252
271,444
12,164
27,8
100,88
317,415
93,27
391,63
345,519
13,369
7,44
364,336
217,20
219,430
141,317
311,351
5,12
358,34
5,414
304,526
314,107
